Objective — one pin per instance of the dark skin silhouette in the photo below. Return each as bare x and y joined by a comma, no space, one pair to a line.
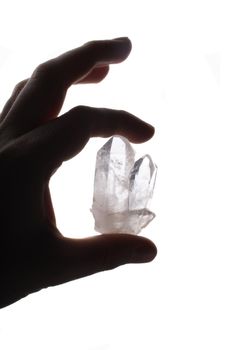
33,144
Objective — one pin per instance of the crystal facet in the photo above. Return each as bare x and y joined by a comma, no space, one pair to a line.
122,188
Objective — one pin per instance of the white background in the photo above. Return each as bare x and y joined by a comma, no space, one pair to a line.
179,78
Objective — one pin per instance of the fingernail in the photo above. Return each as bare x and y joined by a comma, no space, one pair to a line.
124,46
151,129
123,38
144,253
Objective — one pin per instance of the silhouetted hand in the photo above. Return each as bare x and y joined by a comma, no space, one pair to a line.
33,144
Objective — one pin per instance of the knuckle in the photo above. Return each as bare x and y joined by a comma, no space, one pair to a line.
81,109
19,86
81,112
46,70
95,47
92,43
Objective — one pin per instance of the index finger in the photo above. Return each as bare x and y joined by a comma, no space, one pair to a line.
43,96
63,138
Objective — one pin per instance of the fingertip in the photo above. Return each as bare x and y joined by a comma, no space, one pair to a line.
136,129
124,47
146,251
125,41
128,248
145,134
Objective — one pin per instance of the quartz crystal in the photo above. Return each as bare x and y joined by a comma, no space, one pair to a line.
123,188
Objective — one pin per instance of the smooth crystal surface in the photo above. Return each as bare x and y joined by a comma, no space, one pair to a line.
122,188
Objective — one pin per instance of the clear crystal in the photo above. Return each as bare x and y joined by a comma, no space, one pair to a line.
141,188
122,188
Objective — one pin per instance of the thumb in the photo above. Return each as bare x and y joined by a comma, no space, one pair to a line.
83,257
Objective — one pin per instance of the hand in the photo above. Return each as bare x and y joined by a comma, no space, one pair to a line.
33,144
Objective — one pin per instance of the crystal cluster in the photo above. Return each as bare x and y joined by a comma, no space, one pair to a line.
122,188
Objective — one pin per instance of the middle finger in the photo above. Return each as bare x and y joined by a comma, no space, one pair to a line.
43,95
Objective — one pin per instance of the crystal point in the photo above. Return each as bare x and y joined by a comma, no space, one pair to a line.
122,188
